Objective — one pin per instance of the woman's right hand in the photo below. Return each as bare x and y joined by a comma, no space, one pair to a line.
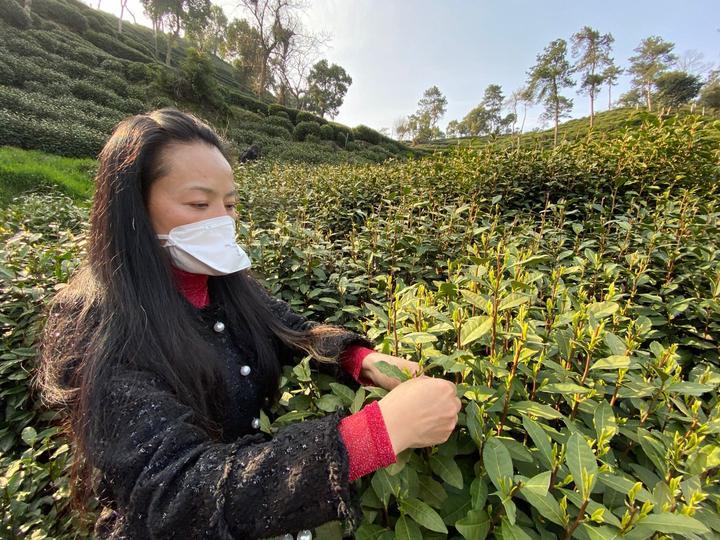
422,411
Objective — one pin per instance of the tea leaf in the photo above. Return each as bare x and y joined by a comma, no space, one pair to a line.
612,362
475,328
564,388
418,337
391,370
407,529
423,514
498,463
475,525
579,457
538,484
512,532
546,505
615,344
536,409
600,310
604,418
540,438
671,524
599,533
447,469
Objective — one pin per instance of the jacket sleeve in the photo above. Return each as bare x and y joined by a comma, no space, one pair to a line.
334,346
169,479
352,361
368,442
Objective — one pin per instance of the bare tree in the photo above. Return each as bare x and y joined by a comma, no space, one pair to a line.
123,8
292,63
279,33
693,62
401,127
293,73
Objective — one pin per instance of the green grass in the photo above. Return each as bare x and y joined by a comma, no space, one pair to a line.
23,171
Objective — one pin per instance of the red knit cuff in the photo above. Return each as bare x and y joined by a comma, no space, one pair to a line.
351,361
367,440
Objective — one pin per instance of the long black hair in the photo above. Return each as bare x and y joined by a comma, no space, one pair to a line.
122,305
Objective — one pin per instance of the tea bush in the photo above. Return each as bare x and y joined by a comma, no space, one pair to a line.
60,13
14,14
367,134
327,132
60,137
276,111
573,295
305,116
280,121
304,129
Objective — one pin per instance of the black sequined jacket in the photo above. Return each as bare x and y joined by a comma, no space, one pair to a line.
167,479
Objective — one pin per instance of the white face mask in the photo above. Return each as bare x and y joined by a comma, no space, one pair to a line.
206,247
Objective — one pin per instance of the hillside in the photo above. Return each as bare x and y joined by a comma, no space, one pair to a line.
67,77
608,122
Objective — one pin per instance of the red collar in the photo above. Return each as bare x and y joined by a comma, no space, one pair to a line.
193,286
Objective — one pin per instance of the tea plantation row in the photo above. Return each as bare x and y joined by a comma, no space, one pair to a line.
573,295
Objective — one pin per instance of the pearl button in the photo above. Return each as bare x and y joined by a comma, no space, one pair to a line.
288,536
256,423
219,326
304,535
245,370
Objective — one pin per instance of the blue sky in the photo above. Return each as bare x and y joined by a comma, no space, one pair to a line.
394,50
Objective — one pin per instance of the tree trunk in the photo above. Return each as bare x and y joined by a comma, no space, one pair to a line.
262,77
122,10
592,105
557,109
170,44
609,96
28,6
647,97
155,25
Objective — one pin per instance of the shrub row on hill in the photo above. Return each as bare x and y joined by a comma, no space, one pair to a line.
312,150
13,14
340,133
45,42
281,121
61,108
63,137
59,12
115,47
97,85
60,63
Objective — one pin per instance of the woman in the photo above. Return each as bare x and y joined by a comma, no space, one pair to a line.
163,349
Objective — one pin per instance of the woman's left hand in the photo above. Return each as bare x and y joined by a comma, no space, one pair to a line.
371,372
